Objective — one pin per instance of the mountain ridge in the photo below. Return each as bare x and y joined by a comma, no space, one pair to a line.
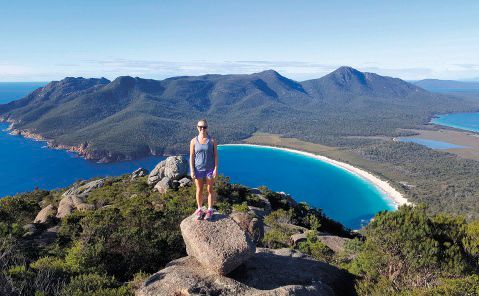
130,117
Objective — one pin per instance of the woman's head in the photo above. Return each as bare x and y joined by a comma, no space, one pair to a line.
202,126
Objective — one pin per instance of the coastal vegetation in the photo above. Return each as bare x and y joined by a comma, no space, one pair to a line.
441,180
134,231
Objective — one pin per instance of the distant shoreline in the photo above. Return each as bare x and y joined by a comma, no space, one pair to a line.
383,186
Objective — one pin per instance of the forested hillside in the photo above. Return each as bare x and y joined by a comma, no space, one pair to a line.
131,117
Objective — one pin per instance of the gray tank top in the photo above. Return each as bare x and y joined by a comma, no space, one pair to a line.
204,155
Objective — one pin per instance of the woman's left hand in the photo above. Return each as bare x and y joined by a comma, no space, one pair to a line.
215,173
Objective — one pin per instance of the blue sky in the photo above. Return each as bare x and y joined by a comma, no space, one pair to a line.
48,40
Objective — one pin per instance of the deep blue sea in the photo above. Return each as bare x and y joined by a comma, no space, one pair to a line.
10,91
26,164
431,143
465,121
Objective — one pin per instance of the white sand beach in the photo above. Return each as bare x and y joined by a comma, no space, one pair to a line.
389,192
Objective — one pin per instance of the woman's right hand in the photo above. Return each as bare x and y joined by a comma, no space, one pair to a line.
193,176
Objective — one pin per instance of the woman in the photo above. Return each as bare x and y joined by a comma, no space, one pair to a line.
204,168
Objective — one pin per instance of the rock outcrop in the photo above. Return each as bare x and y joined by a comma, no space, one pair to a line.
298,238
334,242
74,198
267,272
167,172
185,182
221,262
220,245
140,172
163,185
173,167
249,223
46,215
84,190
65,207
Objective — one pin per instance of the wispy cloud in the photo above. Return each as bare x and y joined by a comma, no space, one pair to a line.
155,68
160,69
468,66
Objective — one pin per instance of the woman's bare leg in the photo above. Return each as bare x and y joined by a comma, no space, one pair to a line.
211,192
199,192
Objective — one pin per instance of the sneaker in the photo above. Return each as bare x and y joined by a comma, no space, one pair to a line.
209,215
199,214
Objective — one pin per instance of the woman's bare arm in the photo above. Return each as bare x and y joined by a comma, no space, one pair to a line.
192,158
216,156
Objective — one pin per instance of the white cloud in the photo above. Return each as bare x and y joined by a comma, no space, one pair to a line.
158,69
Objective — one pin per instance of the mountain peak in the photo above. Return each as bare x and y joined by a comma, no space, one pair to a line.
347,70
269,72
348,77
121,79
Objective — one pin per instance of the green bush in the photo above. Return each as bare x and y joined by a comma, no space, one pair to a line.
93,284
467,286
278,217
413,249
243,207
276,238
21,208
314,247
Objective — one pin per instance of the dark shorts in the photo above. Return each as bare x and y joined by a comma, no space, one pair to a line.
208,173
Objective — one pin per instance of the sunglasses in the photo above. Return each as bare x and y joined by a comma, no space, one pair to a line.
203,126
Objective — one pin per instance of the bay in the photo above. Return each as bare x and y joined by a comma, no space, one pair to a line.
342,195
464,121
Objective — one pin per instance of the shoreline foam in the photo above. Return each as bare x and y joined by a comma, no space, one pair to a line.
391,194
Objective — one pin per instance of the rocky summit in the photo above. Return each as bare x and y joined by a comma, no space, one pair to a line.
223,260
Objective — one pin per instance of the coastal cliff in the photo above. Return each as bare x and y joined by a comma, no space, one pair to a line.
83,149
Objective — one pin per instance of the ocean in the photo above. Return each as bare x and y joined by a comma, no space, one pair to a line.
10,91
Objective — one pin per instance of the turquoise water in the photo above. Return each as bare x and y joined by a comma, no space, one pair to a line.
431,143
342,195
465,121
10,91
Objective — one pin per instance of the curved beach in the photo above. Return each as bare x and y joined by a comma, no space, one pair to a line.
384,187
